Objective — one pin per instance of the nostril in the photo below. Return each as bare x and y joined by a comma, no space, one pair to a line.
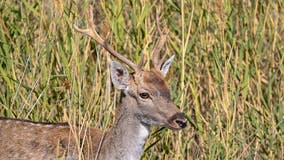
181,124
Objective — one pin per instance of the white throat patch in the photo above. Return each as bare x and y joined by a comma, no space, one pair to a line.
136,150
143,132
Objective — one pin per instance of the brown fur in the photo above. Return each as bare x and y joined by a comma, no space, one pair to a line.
45,139
155,80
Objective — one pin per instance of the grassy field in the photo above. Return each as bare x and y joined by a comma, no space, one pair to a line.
228,75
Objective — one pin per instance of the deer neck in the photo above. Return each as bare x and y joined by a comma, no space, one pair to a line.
128,135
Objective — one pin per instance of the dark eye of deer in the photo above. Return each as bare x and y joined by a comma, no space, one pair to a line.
144,95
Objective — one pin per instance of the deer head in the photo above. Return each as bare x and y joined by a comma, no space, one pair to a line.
148,89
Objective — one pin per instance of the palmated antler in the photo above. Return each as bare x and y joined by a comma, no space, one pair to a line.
91,32
159,46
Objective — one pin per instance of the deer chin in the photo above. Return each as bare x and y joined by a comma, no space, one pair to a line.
151,121
176,122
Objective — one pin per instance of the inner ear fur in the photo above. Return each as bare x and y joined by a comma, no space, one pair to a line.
119,75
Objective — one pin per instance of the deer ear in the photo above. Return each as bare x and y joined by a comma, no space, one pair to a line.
166,65
119,75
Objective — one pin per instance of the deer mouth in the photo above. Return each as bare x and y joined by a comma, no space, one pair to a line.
176,122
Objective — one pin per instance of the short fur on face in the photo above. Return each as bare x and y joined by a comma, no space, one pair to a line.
151,93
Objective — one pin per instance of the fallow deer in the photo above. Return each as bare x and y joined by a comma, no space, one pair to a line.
145,101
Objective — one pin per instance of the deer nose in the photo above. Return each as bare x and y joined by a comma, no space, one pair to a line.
181,124
180,120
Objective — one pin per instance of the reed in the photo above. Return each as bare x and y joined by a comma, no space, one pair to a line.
228,75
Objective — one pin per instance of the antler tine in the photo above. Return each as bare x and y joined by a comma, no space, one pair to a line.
91,32
162,40
157,50
141,62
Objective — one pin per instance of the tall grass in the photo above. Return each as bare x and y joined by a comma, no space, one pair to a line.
228,76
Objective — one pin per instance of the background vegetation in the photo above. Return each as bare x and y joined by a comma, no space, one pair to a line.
228,76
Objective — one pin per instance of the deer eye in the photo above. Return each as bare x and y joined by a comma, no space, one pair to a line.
144,95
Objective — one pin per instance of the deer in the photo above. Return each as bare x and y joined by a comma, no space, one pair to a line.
145,101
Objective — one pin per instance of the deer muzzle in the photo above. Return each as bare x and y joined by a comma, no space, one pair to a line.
177,121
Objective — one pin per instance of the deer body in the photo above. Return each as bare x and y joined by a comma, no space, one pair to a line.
28,140
145,101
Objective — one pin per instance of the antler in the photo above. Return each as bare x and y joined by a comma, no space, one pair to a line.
159,46
91,32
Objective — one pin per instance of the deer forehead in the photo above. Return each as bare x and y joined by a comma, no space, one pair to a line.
154,82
